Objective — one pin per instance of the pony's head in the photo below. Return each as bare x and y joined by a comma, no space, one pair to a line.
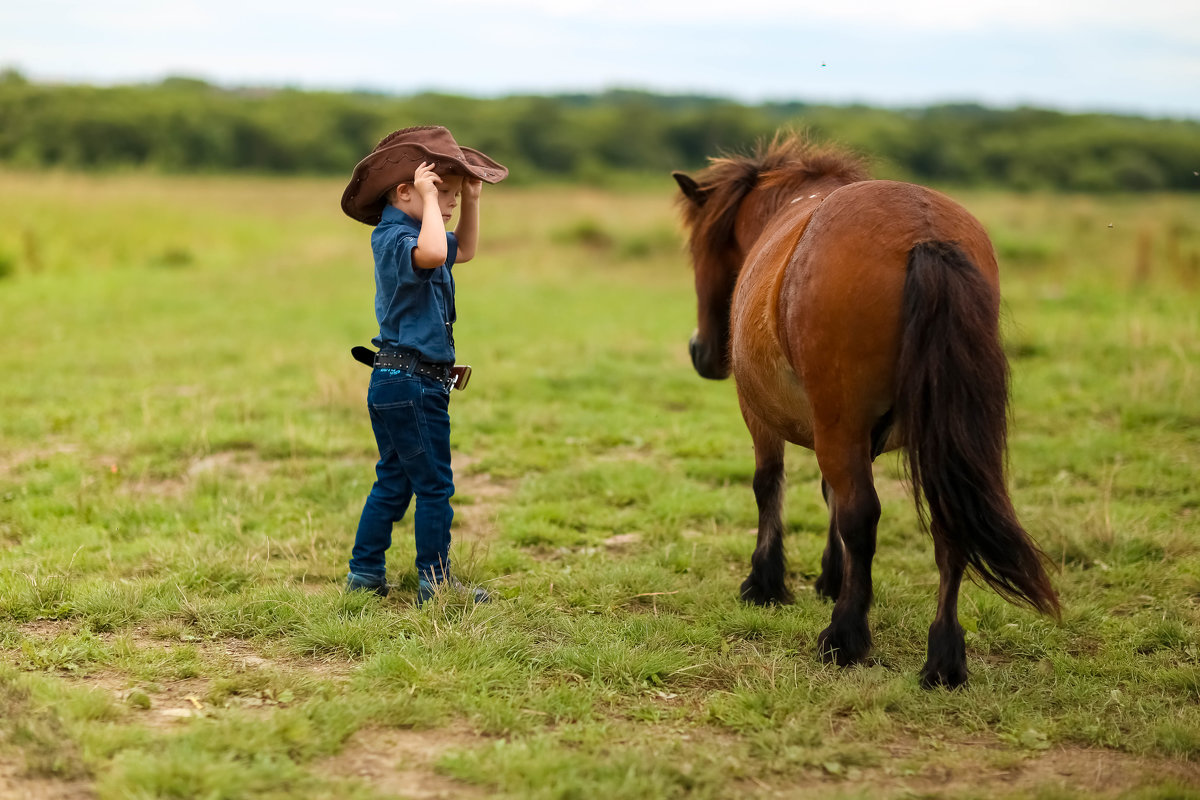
726,207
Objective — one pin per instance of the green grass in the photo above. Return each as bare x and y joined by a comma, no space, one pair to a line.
184,452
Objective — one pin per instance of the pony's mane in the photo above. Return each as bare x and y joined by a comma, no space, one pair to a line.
779,166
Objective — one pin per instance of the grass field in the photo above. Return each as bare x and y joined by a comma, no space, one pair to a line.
184,451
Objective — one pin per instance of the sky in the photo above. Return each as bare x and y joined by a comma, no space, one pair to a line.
1133,56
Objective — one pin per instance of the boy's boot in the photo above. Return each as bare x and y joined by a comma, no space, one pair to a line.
428,587
361,583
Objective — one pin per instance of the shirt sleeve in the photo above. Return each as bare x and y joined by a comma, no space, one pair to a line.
404,261
404,250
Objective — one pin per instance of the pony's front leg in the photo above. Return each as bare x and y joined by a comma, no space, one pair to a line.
846,465
766,583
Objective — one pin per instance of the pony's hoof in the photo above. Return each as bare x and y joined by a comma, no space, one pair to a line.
754,592
843,648
951,676
946,660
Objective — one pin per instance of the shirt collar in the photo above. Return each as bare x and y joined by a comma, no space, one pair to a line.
395,216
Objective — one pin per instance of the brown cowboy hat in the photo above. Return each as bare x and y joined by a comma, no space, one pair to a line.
396,158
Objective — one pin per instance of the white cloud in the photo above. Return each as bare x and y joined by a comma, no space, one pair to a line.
1165,16
1177,17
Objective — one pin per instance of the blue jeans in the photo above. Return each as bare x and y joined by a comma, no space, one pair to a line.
411,419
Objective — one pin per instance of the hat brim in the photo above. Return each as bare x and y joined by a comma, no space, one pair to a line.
377,173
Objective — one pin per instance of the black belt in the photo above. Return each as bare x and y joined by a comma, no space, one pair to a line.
411,362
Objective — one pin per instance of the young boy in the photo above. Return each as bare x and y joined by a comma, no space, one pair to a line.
408,188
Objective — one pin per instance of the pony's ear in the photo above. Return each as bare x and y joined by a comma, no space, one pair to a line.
691,190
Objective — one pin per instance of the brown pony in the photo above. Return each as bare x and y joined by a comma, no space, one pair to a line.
859,316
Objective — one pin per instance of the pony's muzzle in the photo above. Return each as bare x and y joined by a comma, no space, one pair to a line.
708,366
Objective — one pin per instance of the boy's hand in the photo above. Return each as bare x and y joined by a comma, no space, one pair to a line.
425,181
471,189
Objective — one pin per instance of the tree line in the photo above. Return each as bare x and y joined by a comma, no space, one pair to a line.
188,125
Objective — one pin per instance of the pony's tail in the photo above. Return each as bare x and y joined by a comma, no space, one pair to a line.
952,409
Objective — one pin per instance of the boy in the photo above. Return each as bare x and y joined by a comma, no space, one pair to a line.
408,188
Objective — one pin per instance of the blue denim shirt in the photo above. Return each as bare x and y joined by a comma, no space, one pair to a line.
414,306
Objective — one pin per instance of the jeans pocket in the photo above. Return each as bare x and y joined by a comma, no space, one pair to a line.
402,427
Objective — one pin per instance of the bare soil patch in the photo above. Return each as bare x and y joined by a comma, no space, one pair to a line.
622,540
13,461
164,702
242,465
15,785
402,762
983,769
1104,773
623,454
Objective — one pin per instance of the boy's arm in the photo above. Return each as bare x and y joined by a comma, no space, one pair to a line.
431,250
467,231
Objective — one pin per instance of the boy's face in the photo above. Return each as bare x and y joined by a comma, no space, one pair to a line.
449,190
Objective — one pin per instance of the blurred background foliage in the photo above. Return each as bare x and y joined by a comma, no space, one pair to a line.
184,125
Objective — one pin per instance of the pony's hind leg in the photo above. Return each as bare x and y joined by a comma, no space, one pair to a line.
846,466
829,582
946,664
766,583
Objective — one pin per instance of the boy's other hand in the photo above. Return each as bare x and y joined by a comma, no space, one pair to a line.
425,181
472,188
